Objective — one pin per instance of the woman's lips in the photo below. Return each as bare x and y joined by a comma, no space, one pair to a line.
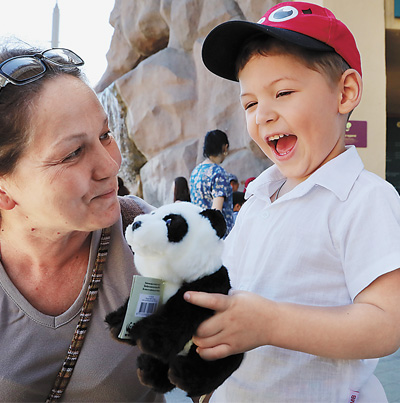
106,194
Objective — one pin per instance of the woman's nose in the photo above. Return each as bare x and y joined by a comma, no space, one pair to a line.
107,161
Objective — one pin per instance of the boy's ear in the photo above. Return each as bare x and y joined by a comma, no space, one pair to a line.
351,90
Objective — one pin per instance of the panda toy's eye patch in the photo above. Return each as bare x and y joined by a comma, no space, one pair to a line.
177,227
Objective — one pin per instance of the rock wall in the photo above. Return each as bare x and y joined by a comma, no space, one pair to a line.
167,99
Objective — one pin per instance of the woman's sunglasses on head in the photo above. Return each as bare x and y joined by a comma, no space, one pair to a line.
24,69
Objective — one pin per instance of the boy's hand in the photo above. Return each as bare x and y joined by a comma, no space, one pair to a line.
367,328
239,324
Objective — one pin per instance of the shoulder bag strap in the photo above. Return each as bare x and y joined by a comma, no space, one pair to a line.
129,210
68,365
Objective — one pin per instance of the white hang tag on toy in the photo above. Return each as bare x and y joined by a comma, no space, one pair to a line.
146,295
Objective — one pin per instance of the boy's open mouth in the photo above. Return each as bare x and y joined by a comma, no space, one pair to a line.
282,144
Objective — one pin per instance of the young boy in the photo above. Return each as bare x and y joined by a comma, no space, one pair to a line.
315,251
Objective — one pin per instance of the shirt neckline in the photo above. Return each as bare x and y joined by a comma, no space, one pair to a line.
337,175
48,320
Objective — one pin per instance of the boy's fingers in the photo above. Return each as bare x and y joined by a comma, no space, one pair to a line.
216,302
214,353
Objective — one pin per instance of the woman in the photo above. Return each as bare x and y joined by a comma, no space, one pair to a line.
122,189
209,182
58,190
181,189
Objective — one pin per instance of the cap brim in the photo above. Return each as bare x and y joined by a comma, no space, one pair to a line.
223,44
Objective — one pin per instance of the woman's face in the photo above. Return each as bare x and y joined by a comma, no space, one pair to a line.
67,178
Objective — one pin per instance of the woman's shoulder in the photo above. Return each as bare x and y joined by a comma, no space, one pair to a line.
221,173
135,203
132,206
215,169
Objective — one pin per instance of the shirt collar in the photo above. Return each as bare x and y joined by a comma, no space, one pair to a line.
337,175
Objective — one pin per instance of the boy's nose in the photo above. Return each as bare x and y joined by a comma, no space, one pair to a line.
265,115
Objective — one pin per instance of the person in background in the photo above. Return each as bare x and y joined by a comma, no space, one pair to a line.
122,189
209,182
233,180
238,201
248,180
181,190
64,260
315,249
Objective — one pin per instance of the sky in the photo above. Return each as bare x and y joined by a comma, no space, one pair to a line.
84,28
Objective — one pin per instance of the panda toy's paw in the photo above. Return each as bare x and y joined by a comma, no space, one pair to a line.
115,321
153,373
184,373
199,377
153,341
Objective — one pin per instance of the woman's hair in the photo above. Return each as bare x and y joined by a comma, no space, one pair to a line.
330,64
214,143
181,189
16,109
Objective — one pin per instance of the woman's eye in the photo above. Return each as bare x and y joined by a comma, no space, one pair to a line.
106,136
73,155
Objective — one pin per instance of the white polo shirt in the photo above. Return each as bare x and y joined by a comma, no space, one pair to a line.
320,244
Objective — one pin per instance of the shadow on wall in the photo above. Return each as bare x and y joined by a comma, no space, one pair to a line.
163,98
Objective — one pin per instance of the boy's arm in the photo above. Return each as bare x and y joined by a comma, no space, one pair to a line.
368,328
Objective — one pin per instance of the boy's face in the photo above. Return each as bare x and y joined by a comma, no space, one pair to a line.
292,114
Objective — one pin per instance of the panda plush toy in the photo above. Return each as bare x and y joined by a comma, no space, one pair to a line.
181,244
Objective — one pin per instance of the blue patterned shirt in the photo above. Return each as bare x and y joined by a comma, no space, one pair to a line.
207,182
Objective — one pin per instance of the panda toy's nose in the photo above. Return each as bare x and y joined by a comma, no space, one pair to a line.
136,225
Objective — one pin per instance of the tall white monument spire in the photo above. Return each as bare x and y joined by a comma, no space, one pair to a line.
56,26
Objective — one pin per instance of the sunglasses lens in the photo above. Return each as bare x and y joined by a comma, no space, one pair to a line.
23,69
63,57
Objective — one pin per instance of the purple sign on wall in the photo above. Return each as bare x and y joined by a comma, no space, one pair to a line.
356,133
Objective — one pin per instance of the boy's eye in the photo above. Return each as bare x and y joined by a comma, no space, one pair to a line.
249,105
283,93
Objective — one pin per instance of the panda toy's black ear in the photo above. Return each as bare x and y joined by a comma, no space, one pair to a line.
216,219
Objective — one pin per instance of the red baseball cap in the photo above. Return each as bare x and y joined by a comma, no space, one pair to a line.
304,24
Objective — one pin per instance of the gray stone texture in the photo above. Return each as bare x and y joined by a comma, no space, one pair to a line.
162,98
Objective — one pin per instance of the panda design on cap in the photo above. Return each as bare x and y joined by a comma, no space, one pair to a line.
181,244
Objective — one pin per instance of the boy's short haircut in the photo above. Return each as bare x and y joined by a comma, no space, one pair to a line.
238,198
309,26
330,64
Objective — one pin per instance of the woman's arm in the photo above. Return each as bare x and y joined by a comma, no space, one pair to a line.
218,202
368,328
